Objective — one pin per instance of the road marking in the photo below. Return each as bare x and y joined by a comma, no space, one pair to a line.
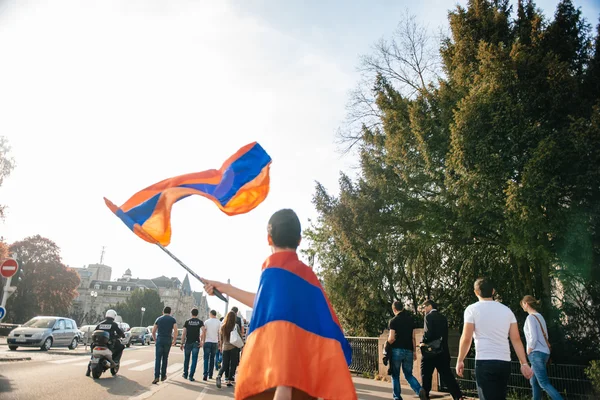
65,360
143,367
174,367
128,362
81,363
202,394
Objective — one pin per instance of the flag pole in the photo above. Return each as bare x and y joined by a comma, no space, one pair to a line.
195,275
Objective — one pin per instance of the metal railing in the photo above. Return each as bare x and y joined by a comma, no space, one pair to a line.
364,354
569,380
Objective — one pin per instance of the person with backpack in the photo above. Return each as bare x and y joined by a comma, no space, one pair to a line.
231,353
538,349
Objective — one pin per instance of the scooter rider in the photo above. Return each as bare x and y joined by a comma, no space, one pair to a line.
109,325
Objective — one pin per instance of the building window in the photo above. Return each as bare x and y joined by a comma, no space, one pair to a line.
96,286
128,289
118,287
109,287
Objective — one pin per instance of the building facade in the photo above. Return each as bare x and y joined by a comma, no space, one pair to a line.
97,292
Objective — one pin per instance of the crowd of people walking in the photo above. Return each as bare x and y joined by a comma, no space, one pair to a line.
492,326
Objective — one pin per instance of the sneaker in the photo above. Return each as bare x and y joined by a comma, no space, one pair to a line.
219,382
163,378
423,395
192,379
184,375
204,378
155,381
229,384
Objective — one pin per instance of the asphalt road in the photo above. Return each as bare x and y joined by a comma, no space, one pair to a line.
60,374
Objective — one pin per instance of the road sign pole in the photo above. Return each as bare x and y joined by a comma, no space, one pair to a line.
6,292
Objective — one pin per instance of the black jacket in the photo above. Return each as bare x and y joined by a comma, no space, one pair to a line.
436,326
109,325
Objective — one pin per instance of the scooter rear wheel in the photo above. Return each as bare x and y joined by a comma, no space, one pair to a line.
114,370
96,372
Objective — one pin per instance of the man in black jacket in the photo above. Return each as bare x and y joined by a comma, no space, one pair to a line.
436,327
109,325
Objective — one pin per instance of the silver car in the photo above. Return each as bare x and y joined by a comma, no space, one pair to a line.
45,332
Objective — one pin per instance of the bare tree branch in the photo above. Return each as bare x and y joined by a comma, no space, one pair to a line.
409,61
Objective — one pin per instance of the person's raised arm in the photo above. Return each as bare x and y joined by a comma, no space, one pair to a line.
465,344
515,339
246,298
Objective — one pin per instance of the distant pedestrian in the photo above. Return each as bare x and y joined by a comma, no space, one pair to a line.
210,338
404,349
491,324
538,349
164,334
191,343
435,337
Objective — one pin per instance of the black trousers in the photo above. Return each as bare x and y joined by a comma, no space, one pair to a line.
492,379
442,364
231,359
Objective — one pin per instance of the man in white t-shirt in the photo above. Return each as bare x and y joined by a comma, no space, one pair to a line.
210,337
491,324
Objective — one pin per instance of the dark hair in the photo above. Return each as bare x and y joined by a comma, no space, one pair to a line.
398,305
195,312
167,310
213,313
228,325
430,303
284,229
234,309
531,302
484,287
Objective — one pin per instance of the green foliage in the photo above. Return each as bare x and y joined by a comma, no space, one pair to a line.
47,287
593,374
130,310
491,170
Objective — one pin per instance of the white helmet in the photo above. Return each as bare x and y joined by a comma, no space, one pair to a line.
111,314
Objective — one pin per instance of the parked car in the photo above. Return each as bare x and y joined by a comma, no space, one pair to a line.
85,333
141,335
45,332
126,341
150,330
179,335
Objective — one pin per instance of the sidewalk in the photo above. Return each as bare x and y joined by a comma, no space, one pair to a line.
178,388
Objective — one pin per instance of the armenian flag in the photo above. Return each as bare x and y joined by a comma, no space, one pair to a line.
239,186
295,338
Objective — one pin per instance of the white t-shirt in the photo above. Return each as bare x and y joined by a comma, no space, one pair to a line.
492,325
212,330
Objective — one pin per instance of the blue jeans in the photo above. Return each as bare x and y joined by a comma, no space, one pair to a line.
163,346
210,351
190,349
403,358
539,381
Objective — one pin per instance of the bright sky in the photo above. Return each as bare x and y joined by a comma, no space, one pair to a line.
103,98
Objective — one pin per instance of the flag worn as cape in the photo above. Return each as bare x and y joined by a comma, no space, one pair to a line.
295,338
238,187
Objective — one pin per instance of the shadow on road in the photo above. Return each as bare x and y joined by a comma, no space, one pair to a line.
5,385
120,385
212,388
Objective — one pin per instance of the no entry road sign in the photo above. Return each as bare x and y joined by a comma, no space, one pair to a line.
9,267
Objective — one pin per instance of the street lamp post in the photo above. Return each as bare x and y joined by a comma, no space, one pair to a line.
142,320
93,295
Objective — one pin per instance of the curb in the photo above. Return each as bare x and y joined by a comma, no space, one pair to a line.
15,359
